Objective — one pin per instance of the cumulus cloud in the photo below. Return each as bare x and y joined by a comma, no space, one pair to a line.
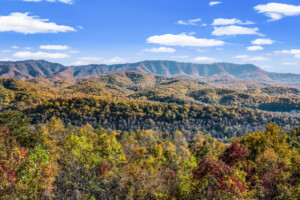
234,30
251,58
39,55
213,3
295,52
160,50
26,24
222,22
204,59
62,1
255,48
193,22
54,47
184,40
262,41
291,51
276,11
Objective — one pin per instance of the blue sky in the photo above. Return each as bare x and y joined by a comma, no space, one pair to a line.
262,32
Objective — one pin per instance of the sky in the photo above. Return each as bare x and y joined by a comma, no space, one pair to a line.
78,32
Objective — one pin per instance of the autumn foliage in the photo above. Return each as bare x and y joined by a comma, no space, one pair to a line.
57,161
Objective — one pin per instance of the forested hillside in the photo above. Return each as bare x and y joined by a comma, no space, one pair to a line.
220,121
133,101
132,135
141,86
53,161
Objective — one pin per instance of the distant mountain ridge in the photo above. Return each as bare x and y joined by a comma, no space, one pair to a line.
29,69
40,68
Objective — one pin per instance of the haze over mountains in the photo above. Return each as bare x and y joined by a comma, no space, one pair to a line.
40,68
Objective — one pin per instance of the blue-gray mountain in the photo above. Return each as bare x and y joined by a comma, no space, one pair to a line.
40,68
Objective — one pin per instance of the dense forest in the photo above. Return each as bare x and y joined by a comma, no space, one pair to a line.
54,161
132,135
137,101
140,86
220,121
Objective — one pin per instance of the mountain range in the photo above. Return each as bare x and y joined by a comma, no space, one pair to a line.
43,69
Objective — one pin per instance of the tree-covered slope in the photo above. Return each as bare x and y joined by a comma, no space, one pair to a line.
220,121
54,161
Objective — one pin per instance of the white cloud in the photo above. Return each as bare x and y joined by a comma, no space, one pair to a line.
234,30
295,52
213,3
255,48
184,40
193,22
160,50
249,58
62,1
15,47
54,47
189,33
28,48
39,55
23,23
277,11
115,60
262,41
204,59
222,21
6,59
5,51
291,51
